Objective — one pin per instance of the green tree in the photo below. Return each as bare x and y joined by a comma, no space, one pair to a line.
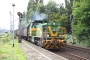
51,6
69,8
55,12
81,14
34,5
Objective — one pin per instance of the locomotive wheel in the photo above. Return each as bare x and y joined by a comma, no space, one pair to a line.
39,42
35,41
29,39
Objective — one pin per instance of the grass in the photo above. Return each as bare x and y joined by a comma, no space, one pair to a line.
7,52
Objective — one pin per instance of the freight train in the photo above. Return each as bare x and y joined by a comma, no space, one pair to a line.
48,35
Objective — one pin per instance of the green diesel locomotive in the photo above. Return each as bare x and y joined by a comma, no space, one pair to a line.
45,34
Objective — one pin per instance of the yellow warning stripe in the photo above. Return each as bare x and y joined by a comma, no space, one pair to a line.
35,29
51,32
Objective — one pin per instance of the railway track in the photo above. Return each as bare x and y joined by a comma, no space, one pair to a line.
74,56
74,53
87,50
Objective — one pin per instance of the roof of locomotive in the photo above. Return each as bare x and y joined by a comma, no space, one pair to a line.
40,21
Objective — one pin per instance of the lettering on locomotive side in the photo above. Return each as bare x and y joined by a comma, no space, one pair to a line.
55,29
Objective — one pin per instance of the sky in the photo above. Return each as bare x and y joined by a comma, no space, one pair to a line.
20,6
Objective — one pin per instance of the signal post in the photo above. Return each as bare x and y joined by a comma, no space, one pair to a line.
20,19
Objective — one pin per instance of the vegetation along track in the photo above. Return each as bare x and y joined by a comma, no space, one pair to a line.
74,53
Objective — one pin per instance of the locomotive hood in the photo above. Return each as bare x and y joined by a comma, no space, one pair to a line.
54,29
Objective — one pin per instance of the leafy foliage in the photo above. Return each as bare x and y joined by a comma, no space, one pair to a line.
55,12
81,14
4,38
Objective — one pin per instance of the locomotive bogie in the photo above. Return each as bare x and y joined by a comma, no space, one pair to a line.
54,43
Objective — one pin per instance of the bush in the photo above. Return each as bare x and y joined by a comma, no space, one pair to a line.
5,38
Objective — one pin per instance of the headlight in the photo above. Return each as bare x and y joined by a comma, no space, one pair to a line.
47,35
59,35
53,23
